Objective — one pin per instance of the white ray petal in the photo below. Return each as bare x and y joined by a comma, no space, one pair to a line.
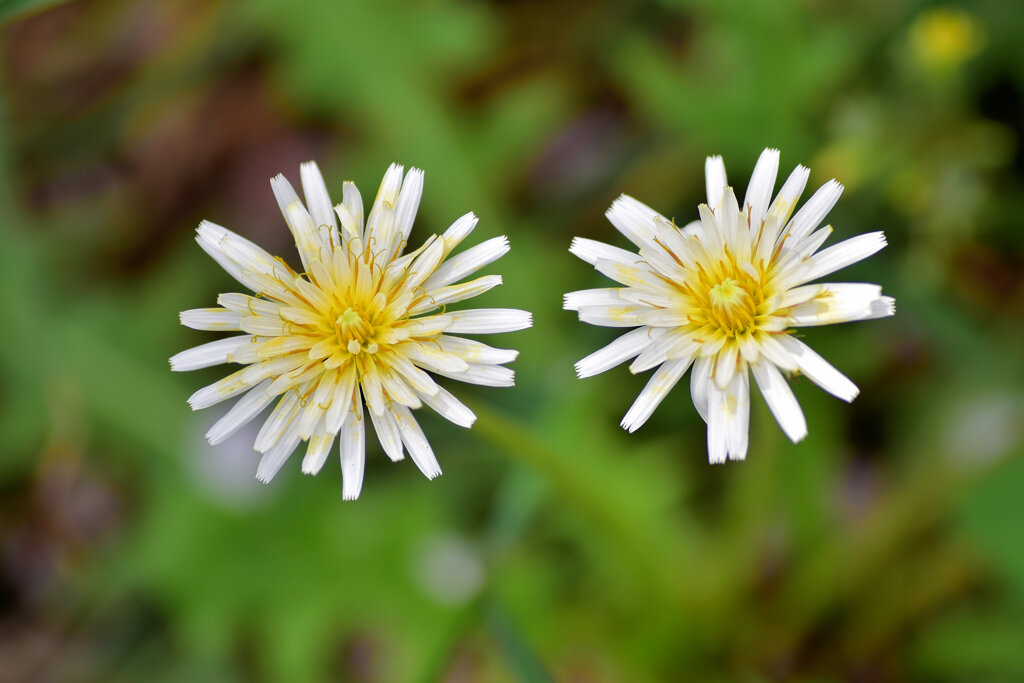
416,443
458,231
634,219
387,433
279,422
473,351
818,370
449,407
455,293
762,183
619,351
657,388
489,320
353,202
674,345
782,208
275,457
838,302
211,319
626,315
319,448
244,410
484,375
700,378
780,400
841,255
605,296
352,446
408,203
317,198
207,355
387,197
592,250
728,419
468,262
813,212
715,180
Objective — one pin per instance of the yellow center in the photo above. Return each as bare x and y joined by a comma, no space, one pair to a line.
728,299
356,331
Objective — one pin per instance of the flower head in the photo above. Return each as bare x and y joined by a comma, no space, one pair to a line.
724,294
359,325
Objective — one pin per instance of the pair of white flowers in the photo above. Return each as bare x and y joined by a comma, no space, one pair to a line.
359,330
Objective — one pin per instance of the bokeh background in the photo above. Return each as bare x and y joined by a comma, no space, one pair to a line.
885,547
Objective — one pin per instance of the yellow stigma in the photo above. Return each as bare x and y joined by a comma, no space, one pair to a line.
355,331
728,299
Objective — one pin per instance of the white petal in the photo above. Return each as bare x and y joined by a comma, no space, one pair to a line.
841,255
455,293
674,345
417,380
317,198
634,219
408,203
458,231
207,355
489,320
432,357
619,351
837,303
213,319
484,375
425,266
449,407
221,243
818,370
397,390
715,180
353,202
303,228
625,315
353,452
762,183
657,388
729,419
812,213
699,381
244,410
637,275
468,262
605,296
780,400
782,208
729,221
387,197
416,443
275,457
592,250
279,423
472,351
388,435
319,448
812,242
239,381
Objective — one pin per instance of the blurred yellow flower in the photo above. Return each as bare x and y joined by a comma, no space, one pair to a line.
942,37
359,325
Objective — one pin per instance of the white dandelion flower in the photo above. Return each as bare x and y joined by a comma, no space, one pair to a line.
359,326
723,294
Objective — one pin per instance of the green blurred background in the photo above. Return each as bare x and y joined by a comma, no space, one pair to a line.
887,546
